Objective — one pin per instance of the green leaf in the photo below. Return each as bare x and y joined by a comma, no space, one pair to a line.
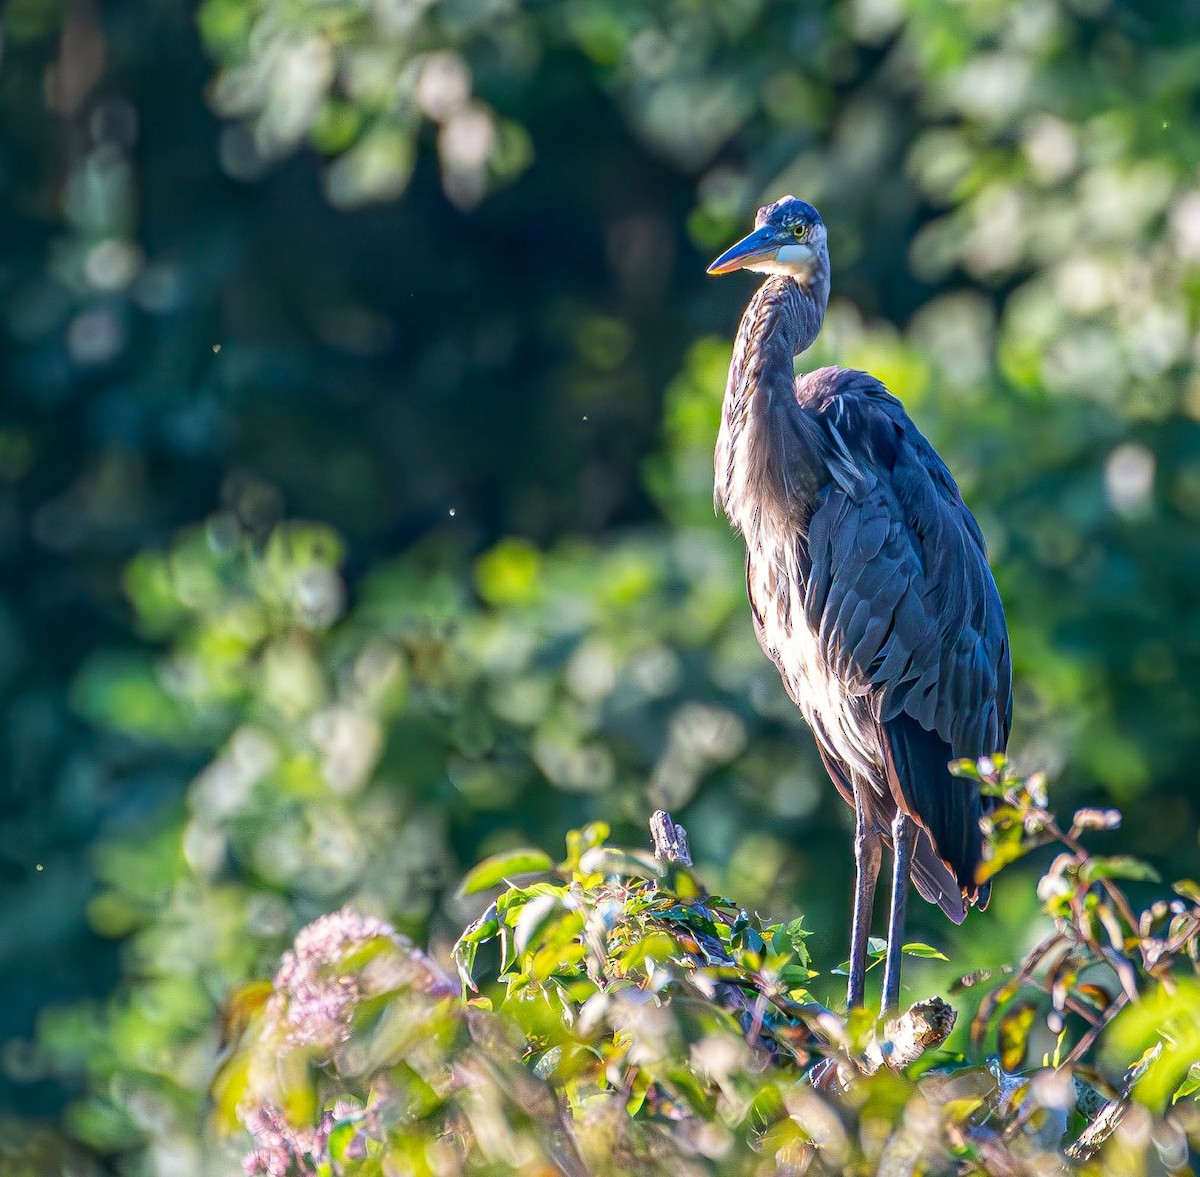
794,976
1013,1034
991,1002
860,1026
479,932
1165,1026
791,937
509,573
743,935
959,1111
1190,1084
534,917
1118,866
1187,889
965,768
877,950
924,951
688,1086
604,860
341,1138
657,945
1005,849
491,872
578,841
637,1097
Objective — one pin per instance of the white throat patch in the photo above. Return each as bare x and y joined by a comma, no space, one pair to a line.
791,261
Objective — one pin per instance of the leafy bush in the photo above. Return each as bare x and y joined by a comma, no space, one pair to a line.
634,1024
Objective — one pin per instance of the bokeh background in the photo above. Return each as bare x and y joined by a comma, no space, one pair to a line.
360,380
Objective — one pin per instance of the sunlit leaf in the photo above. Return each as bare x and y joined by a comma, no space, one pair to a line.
1190,1084
508,574
1001,854
961,1109
227,1091
987,1007
655,945
1094,995
533,920
241,1005
1119,866
606,860
580,841
1165,1027
491,872
924,951
1187,888
341,1137
1012,1034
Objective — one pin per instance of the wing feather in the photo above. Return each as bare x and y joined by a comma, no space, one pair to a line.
901,598
899,590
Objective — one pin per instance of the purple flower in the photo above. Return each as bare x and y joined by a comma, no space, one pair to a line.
316,988
284,1151
335,962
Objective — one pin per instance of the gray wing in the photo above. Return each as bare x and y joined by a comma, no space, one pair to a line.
898,586
900,595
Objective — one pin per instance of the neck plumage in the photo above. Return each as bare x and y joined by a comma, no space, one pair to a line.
768,445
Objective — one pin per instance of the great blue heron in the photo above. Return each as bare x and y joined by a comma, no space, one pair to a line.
869,587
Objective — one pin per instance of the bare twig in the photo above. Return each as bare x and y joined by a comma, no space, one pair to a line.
1107,885
1088,1040
670,839
922,1027
1107,1120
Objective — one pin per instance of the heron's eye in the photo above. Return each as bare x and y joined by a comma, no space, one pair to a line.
799,232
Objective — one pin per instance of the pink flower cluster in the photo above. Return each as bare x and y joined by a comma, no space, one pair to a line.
319,983
314,991
283,1151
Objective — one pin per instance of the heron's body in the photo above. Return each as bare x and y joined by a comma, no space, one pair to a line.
870,590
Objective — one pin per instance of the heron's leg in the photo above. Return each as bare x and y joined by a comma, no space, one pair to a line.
904,838
868,850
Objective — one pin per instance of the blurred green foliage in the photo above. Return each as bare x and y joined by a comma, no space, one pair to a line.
431,274
352,753
637,1025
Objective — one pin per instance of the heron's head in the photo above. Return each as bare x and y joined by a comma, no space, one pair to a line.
788,239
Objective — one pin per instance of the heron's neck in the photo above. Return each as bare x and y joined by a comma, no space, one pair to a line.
768,446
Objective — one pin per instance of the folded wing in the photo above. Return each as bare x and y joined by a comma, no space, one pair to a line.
903,603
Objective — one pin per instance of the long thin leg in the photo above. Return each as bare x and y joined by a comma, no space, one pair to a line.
868,851
904,837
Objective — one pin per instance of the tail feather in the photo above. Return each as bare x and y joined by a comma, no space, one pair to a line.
946,808
935,882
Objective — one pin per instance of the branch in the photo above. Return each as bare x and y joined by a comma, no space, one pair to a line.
924,1026
1107,1119
670,839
